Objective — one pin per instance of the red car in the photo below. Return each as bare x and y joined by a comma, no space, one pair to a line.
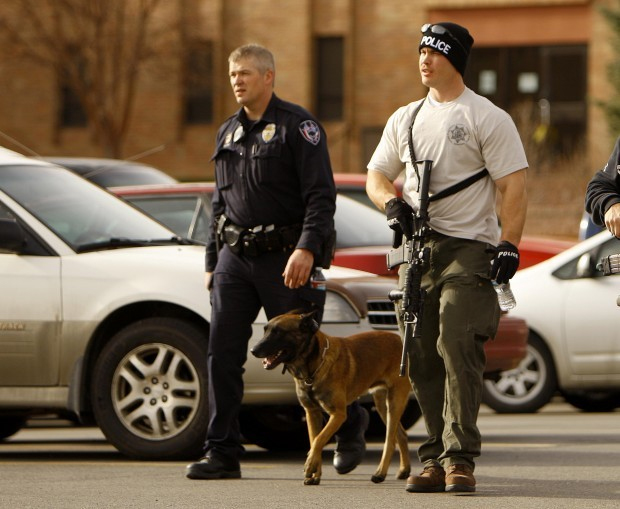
362,243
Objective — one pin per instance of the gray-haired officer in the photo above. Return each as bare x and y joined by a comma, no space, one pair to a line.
273,206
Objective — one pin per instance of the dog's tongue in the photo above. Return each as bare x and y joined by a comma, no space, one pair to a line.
272,361
268,362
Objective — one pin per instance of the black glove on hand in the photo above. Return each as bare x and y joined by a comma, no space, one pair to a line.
400,216
505,263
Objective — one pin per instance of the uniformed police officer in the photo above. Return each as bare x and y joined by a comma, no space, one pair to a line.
273,211
603,194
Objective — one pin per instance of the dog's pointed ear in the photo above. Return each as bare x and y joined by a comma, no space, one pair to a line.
308,323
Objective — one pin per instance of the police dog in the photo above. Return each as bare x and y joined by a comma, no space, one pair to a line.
330,373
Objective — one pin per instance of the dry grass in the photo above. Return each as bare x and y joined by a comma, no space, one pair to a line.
556,198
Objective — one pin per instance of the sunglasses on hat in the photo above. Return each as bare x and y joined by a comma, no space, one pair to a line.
441,30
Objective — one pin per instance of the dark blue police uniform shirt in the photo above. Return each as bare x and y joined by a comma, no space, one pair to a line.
274,171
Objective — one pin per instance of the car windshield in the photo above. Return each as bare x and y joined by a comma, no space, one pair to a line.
81,213
358,225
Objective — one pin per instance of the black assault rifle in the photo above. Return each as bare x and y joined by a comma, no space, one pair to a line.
416,255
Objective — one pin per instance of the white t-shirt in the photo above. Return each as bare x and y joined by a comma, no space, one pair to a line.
461,137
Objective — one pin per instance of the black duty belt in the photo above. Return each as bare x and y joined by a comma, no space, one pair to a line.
260,239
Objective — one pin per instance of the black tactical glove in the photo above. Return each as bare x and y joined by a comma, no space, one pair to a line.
400,217
505,263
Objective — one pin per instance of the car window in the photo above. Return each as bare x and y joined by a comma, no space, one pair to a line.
358,225
185,215
77,211
128,176
358,194
570,270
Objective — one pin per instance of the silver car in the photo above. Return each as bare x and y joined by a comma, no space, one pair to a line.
104,319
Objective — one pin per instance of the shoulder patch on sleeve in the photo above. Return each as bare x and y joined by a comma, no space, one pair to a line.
311,132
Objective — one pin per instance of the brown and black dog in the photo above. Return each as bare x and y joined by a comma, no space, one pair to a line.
330,373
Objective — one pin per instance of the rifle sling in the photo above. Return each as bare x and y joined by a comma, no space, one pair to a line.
459,186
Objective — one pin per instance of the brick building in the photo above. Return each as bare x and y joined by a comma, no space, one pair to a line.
352,62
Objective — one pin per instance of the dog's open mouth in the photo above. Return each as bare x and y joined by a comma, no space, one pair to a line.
271,361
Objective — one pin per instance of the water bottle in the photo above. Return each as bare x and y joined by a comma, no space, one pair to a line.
317,280
505,297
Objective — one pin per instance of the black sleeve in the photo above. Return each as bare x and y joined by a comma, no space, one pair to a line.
317,186
603,190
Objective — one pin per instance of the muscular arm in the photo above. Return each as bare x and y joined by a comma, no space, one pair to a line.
379,189
514,205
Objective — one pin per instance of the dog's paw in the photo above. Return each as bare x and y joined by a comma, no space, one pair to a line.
312,481
403,474
377,478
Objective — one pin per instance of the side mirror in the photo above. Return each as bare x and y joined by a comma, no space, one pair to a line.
12,237
586,266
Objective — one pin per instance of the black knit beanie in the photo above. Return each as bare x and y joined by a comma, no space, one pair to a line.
451,40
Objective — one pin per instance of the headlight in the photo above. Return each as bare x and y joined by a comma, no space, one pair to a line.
339,310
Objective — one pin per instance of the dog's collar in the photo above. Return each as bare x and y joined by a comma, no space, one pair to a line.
310,379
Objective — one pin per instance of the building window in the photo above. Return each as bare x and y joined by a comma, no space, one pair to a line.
198,107
329,85
553,79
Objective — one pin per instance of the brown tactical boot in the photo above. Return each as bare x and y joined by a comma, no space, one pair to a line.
460,478
431,480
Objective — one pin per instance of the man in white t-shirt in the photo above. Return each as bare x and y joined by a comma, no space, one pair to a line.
463,134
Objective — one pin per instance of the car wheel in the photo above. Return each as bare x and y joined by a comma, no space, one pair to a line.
593,401
528,387
149,390
376,427
11,424
275,427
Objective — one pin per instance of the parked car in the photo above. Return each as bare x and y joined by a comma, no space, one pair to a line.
112,172
361,244
574,339
186,209
104,319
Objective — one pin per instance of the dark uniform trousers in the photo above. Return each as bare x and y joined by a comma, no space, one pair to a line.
447,364
241,286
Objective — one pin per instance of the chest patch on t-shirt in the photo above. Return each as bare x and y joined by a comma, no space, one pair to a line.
458,134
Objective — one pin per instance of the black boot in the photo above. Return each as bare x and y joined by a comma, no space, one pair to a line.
350,441
214,466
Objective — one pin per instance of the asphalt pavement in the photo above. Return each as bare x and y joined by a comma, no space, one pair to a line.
558,458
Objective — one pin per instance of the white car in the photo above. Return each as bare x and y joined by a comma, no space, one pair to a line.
574,342
104,319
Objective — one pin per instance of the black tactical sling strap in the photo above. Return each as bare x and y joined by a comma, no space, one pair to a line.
459,186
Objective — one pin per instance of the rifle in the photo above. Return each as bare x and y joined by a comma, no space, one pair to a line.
415,254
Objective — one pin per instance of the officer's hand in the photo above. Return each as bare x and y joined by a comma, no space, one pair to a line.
208,280
298,267
612,220
505,263
400,216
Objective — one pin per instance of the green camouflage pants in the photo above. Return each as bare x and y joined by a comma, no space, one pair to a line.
447,364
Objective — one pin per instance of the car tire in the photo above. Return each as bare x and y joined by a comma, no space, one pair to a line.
149,390
11,424
275,427
528,387
376,427
593,401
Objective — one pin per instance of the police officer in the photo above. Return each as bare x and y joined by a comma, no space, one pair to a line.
476,152
603,194
273,211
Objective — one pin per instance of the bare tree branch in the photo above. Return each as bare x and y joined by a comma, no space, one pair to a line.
99,47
